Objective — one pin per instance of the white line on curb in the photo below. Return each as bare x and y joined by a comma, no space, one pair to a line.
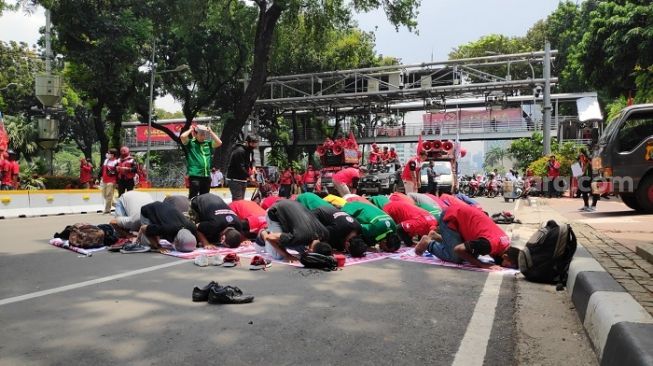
74,286
474,344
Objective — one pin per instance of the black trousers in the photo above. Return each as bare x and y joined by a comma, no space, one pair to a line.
125,185
198,185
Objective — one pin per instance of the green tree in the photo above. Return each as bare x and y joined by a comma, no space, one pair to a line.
494,156
527,150
399,12
104,43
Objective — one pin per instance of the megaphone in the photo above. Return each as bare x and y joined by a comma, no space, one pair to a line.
427,146
447,145
320,150
337,150
437,144
463,152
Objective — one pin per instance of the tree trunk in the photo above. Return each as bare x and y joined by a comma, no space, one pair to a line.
265,26
98,124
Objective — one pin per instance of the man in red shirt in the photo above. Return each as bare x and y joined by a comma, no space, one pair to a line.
127,168
251,215
411,175
553,172
309,179
85,173
346,180
286,183
299,183
375,155
10,170
411,220
465,234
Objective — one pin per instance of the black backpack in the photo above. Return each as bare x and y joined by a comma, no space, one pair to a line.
548,254
319,261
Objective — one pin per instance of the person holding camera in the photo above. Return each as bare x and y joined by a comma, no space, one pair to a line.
240,163
200,141
109,176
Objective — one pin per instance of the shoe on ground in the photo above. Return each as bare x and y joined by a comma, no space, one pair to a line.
201,260
202,294
592,209
135,248
228,295
259,262
231,260
216,260
117,246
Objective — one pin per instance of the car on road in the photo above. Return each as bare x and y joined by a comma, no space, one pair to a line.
624,156
381,179
445,176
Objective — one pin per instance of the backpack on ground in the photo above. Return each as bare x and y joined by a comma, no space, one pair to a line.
548,253
319,261
86,236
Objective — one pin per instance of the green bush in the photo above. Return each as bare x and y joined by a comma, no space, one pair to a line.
60,182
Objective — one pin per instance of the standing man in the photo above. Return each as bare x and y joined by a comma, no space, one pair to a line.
240,163
310,179
127,168
109,175
411,174
285,181
85,173
553,172
5,171
199,158
216,180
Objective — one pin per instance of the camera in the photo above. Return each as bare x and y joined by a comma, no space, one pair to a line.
202,131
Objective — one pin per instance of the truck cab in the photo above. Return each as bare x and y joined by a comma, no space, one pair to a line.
624,156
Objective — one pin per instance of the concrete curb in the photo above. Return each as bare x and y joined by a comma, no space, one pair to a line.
620,329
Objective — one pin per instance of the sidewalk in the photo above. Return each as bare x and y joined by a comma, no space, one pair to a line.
609,284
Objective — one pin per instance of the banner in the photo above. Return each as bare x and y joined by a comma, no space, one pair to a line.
4,137
432,120
158,136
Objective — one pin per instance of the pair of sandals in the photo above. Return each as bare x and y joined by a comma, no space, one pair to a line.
505,217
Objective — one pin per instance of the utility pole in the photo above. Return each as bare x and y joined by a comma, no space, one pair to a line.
150,111
547,98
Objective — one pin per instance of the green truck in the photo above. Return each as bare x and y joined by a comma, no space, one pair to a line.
624,156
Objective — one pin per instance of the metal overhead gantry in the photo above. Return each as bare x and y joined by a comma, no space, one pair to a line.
378,87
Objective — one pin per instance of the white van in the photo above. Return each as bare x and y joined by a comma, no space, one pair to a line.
444,176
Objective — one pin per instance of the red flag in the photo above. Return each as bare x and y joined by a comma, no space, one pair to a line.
4,137
420,146
352,140
630,101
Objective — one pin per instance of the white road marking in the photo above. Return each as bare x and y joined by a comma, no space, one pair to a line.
96,281
475,341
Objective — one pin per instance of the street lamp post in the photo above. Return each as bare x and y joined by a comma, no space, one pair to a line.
153,73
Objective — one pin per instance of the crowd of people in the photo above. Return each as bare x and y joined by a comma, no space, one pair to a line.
291,223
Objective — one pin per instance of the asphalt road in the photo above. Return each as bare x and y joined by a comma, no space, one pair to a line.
387,312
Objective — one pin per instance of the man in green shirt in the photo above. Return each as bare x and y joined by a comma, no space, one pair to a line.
311,201
379,200
199,158
378,226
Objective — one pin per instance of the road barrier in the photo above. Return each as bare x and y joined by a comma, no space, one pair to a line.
71,201
620,329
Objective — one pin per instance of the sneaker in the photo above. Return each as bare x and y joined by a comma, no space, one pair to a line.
216,260
201,260
592,209
202,294
117,246
231,260
228,295
259,262
135,248
584,209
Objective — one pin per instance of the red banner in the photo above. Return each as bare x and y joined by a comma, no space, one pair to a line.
501,115
160,136
4,137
